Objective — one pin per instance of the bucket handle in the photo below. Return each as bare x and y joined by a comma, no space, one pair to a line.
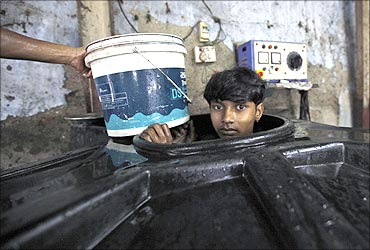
135,50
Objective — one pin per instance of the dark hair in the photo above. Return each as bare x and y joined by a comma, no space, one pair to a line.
239,84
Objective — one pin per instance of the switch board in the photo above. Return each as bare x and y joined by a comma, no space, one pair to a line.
204,54
275,61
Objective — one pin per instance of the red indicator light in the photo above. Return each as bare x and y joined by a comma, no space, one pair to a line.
260,73
270,46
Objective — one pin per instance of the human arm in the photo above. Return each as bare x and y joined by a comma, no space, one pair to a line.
161,133
17,46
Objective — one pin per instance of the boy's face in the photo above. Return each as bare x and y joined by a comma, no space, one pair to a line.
232,119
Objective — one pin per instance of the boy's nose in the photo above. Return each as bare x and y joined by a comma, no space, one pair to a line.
228,116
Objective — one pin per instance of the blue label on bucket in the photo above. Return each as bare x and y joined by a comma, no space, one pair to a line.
139,98
139,120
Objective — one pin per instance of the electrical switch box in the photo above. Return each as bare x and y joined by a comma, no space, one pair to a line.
275,61
203,32
204,54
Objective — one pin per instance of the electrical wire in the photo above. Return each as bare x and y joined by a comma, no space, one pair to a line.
123,13
191,31
218,40
216,20
204,2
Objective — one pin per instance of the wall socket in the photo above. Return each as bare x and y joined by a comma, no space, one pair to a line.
204,54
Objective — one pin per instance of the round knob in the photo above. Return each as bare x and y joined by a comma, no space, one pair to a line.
294,61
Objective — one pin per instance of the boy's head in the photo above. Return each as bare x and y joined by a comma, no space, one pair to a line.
235,98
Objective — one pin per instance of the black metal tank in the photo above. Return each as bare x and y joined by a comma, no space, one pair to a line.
291,184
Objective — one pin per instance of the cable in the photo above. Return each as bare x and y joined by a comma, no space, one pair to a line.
218,40
204,2
191,30
123,13
216,20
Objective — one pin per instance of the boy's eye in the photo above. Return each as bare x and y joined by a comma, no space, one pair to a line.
217,107
240,107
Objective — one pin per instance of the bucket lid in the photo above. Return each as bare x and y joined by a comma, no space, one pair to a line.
134,38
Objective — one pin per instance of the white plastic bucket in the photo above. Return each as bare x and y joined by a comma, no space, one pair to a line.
131,73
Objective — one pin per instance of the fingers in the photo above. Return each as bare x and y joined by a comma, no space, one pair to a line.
184,133
157,133
87,73
160,133
192,134
179,135
166,132
145,136
77,61
179,131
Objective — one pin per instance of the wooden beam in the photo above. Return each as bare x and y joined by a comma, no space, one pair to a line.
95,23
362,65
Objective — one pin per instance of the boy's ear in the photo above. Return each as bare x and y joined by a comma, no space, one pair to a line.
259,111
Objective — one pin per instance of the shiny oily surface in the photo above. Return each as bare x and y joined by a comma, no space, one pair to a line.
280,189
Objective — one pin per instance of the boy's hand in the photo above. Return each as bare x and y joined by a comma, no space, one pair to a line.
184,133
160,133
157,133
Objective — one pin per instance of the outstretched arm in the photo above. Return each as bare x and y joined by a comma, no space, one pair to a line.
17,46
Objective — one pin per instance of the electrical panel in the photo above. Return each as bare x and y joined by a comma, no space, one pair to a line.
275,61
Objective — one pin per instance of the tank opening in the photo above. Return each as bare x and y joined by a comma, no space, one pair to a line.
205,131
269,130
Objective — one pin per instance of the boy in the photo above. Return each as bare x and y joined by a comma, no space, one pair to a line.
235,98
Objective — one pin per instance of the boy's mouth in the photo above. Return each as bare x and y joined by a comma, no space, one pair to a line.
228,132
